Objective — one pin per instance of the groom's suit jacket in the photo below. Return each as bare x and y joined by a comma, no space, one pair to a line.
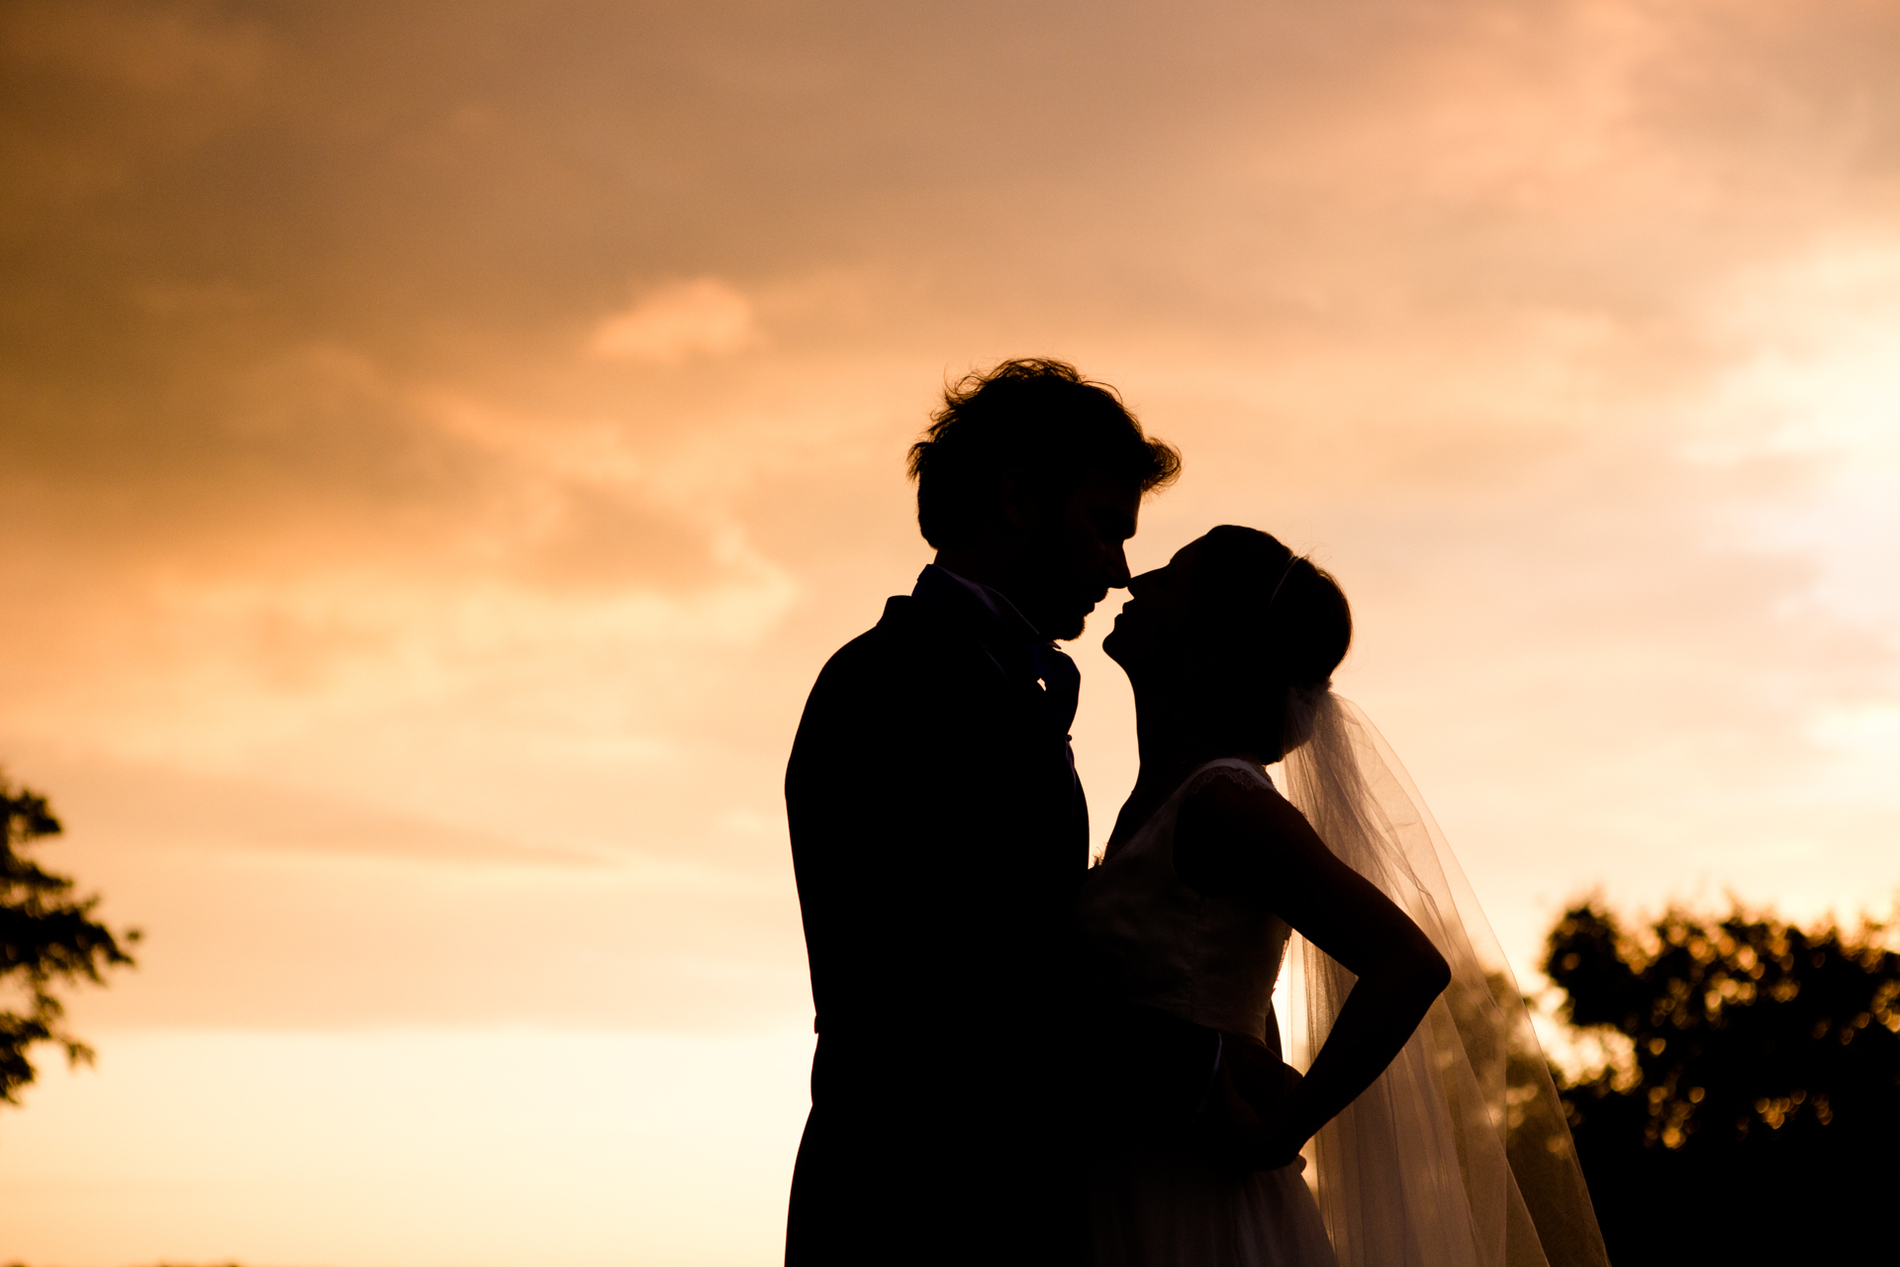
939,838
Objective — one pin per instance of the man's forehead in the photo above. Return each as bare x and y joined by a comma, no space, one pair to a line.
1100,490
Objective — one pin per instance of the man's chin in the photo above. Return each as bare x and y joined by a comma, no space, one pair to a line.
1069,628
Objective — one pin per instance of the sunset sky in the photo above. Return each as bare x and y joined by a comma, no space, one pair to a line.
440,443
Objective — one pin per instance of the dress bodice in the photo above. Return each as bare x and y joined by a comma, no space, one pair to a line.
1146,938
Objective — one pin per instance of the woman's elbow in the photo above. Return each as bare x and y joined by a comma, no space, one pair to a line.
1413,970
1424,967
1429,972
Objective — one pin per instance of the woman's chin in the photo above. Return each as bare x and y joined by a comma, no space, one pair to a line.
1124,649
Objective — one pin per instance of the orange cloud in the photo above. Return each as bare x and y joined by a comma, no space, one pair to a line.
704,317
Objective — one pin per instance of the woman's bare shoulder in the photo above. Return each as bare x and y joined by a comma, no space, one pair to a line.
1229,799
1233,834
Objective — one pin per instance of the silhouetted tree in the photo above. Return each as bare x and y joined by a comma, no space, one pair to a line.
1753,1114
47,937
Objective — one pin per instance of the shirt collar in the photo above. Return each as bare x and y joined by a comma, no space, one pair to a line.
936,582
1027,651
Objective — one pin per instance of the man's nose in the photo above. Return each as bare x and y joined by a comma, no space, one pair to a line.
1118,577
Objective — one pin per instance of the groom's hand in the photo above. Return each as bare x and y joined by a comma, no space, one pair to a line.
1246,1122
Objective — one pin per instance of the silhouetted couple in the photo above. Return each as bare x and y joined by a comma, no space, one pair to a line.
1024,1060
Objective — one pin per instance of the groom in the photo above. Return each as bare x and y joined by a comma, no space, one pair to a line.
939,836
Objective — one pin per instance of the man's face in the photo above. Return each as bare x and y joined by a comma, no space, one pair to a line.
1074,554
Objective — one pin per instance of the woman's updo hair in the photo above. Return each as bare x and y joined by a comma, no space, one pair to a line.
1276,622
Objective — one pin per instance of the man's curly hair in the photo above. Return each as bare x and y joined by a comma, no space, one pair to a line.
1039,418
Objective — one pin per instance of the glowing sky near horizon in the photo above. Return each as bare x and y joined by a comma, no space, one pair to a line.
440,443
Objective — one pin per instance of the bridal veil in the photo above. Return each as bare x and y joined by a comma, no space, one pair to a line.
1459,1155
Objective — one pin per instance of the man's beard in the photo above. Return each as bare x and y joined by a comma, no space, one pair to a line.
1067,625
1063,611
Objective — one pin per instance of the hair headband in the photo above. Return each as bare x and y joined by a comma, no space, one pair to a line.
1282,581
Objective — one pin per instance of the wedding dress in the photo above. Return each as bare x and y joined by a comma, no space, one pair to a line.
1148,939
1458,1155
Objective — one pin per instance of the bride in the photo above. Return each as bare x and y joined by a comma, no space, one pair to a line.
1426,1109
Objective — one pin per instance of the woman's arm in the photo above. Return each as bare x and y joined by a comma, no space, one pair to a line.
1250,844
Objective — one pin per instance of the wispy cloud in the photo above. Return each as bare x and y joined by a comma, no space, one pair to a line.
668,324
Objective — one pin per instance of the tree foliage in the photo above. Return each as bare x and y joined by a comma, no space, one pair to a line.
1754,1105
48,938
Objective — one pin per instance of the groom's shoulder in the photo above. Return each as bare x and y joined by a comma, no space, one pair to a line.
899,635
864,654
911,643
864,676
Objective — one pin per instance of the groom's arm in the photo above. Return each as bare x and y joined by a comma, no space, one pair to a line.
884,801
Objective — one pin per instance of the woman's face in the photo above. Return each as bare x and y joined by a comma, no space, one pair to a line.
1154,627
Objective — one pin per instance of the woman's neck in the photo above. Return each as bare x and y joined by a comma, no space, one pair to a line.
1173,737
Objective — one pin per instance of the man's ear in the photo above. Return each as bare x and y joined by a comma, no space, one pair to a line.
1021,512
